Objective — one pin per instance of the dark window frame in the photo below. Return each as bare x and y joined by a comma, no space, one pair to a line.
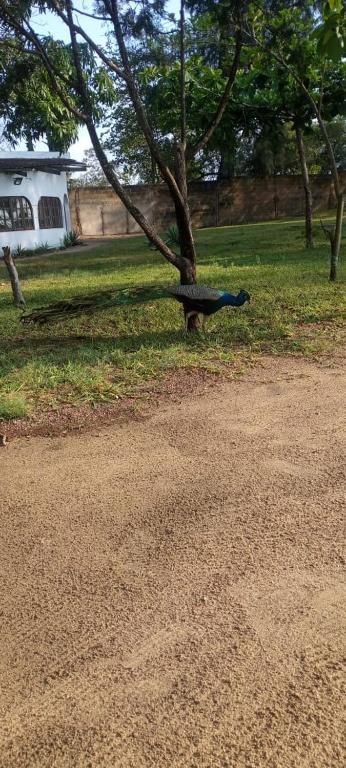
16,214
50,213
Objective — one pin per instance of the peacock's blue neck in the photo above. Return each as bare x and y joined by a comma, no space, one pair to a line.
228,299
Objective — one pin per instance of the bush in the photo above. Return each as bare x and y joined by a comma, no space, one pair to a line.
71,239
171,238
12,406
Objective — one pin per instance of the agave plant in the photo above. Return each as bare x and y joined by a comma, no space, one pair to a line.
19,252
171,238
172,235
71,239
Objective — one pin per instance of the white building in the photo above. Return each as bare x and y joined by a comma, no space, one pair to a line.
34,207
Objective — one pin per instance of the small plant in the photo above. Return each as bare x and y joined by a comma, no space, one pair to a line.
41,248
71,239
37,250
151,245
19,252
12,406
172,236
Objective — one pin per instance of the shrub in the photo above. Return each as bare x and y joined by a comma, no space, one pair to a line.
71,239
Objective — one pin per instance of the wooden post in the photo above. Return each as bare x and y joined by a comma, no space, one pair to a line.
18,297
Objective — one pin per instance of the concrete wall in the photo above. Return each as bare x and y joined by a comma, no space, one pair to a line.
98,211
33,186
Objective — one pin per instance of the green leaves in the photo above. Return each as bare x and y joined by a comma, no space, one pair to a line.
204,86
331,33
334,5
28,104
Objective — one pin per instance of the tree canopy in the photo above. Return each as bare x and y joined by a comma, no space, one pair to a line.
29,106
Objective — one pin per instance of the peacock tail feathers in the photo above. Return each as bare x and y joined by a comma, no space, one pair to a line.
93,302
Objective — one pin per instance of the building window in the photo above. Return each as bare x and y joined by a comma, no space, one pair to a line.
15,214
50,213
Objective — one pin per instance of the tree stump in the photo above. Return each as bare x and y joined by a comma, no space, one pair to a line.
18,297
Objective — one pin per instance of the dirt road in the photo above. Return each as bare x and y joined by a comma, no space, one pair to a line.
172,590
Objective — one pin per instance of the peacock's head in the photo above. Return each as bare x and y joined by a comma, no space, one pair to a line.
244,296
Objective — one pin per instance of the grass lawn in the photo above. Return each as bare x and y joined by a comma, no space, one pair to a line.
294,310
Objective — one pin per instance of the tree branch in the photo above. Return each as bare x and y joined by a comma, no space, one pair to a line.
91,15
203,141
105,165
319,118
96,48
46,58
33,38
122,193
15,47
316,108
77,61
112,9
30,36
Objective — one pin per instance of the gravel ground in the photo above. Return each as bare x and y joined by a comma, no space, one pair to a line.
172,587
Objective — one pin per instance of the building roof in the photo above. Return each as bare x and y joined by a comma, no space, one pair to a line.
48,162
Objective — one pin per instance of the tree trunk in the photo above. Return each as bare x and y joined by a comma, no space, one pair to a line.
226,165
18,297
186,241
335,241
226,169
29,143
187,268
188,277
307,189
153,171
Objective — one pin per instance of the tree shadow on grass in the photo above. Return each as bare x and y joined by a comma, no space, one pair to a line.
226,255
86,349
102,262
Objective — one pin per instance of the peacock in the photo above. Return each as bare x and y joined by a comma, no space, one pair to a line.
196,300
201,300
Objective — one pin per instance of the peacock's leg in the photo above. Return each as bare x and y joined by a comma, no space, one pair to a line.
204,322
187,316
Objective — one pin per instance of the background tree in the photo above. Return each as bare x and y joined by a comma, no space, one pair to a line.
257,135
29,107
331,32
93,176
274,37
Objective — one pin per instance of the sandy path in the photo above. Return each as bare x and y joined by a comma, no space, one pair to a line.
172,590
